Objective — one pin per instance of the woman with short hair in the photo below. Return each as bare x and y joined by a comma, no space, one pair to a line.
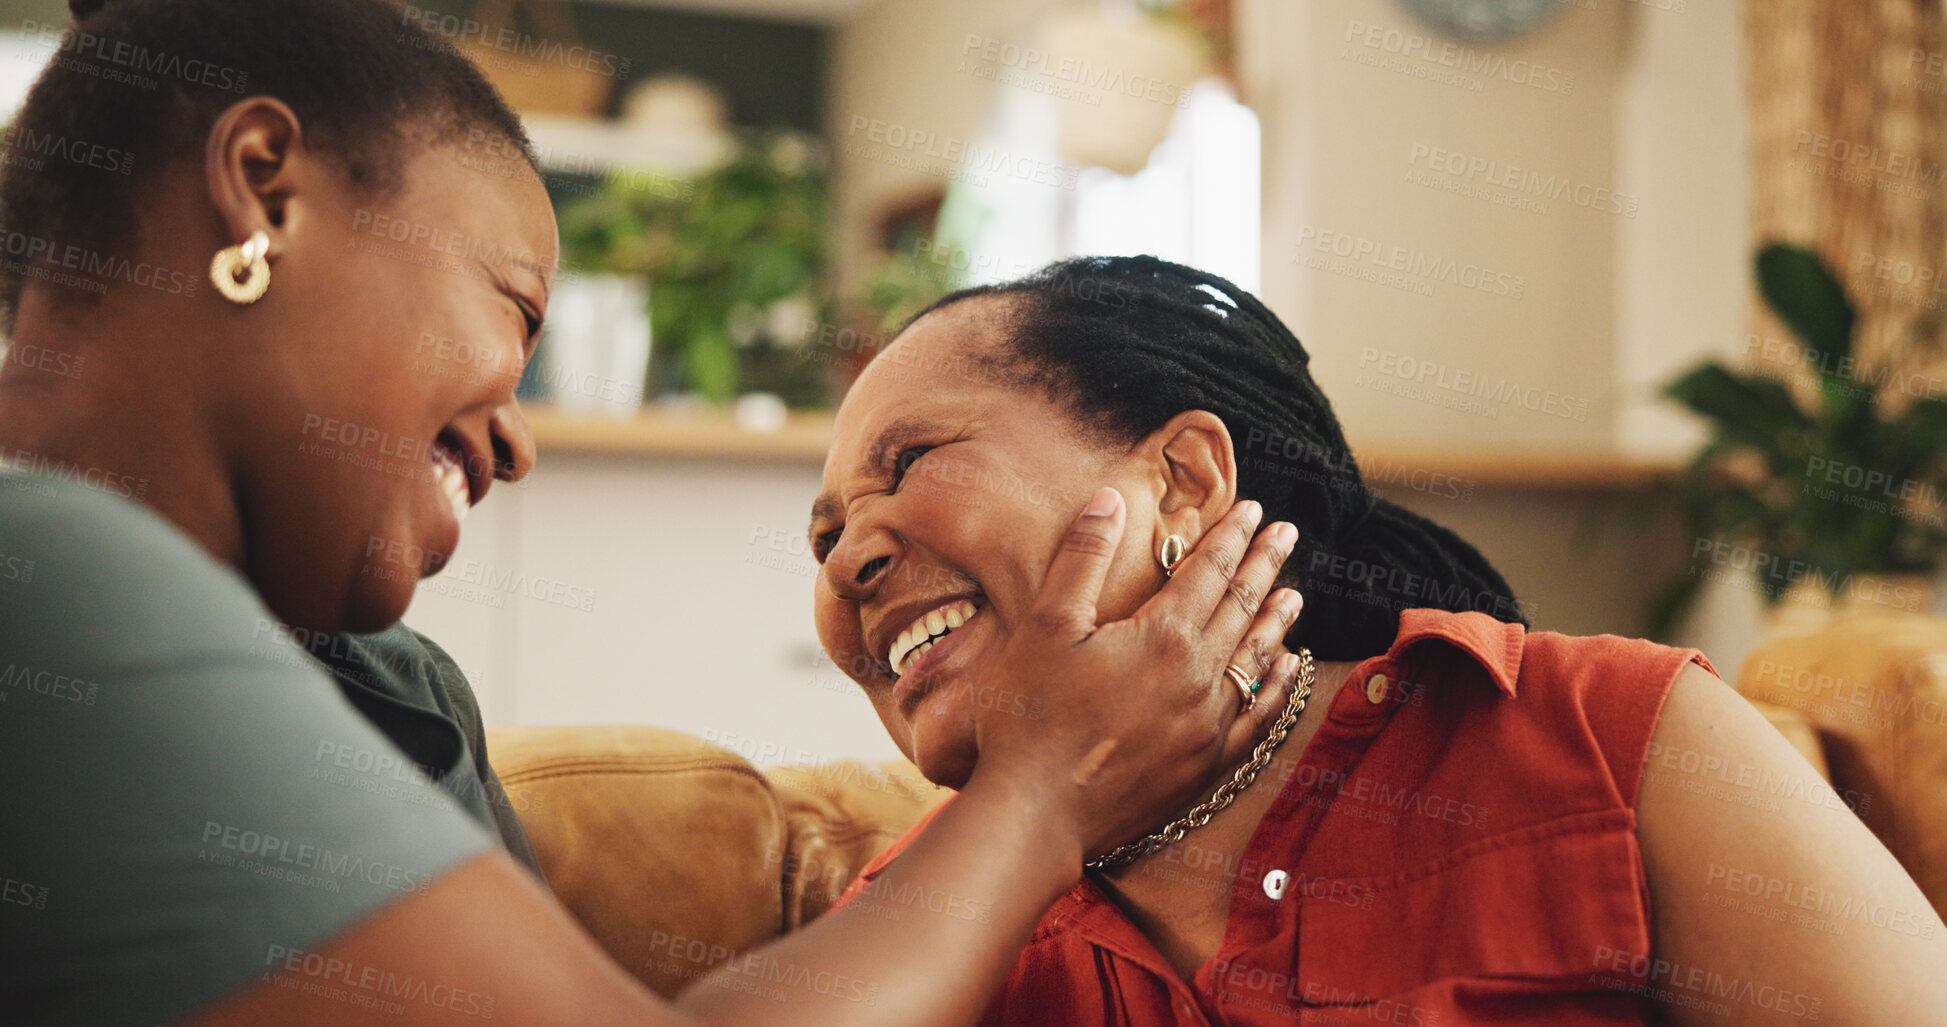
240,235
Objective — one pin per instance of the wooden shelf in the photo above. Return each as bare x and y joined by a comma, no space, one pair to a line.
592,146
709,434
1529,468
714,434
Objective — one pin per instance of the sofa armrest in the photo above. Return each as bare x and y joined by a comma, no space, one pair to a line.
677,854
668,849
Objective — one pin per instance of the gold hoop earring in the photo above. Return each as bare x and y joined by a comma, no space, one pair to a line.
1172,554
240,272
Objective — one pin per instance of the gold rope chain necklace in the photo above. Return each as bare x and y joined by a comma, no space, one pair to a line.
1173,832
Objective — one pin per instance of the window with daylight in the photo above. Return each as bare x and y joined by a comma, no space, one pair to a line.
1196,201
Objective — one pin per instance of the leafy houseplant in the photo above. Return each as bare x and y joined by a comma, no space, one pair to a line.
902,284
1818,493
735,258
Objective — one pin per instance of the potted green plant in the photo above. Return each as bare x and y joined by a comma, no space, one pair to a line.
1820,495
735,260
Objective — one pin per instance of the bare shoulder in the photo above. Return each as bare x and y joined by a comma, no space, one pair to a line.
1767,893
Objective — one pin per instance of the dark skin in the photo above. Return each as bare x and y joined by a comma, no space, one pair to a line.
223,411
327,535
976,509
966,514
961,514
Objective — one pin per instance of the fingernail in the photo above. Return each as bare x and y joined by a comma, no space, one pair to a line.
1288,665
1284,533
1102,504
1255,510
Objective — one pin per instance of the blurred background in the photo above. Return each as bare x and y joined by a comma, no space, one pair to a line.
1520,238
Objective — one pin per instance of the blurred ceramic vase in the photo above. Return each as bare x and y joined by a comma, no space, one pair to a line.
678,124
1130,73
596,345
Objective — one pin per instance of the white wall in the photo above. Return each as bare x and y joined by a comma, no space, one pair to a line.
1683,267
1359,119
1614,304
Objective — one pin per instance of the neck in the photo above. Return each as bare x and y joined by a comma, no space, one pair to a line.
1326,681
100,395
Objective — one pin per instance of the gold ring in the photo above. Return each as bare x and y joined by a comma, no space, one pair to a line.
1243,680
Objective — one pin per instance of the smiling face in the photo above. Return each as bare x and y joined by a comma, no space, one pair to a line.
945,494
379,406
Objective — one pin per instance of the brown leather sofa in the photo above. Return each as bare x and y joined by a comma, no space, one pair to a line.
676,853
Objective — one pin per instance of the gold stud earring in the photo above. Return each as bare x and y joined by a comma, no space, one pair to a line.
1172,554
240,272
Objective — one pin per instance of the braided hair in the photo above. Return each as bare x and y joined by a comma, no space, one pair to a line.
143,81
1126,343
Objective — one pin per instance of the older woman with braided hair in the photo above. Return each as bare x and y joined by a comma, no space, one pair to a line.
1453,819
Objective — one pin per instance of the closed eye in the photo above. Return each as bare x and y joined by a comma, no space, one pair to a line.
907,457
530,324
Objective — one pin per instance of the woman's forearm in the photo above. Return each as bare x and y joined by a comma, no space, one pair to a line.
926,943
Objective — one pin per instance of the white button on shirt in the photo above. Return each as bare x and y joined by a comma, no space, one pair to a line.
1274,883
1376,689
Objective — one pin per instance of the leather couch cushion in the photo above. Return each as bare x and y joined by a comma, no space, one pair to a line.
840,815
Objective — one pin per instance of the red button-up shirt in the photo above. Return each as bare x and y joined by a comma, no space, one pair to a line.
1457,845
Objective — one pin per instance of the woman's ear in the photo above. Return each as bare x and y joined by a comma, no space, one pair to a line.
248,164
1196,468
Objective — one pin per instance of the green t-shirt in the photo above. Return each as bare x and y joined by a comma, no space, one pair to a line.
186,803
413,692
